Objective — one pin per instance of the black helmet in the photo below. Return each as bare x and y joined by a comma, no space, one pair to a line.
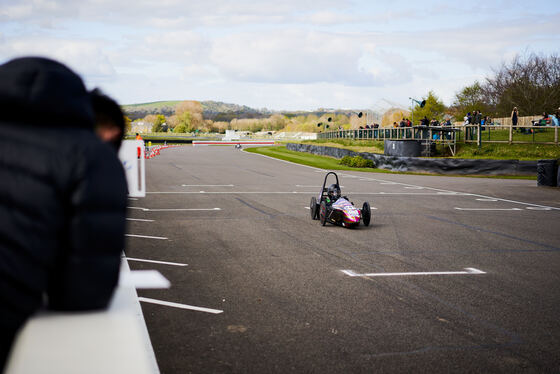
333,191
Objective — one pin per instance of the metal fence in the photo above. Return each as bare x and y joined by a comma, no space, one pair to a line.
452,134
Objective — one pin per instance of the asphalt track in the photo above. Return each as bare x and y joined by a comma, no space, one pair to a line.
284,294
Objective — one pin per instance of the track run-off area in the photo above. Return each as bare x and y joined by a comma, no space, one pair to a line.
452,275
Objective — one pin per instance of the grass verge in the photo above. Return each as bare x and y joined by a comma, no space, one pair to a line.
330,163
371,146
489,151
498,151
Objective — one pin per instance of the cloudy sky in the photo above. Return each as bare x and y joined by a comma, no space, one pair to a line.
282,55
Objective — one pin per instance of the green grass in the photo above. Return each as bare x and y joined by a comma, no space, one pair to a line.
371,146
539,134
497,151
322,162
153,105
330,163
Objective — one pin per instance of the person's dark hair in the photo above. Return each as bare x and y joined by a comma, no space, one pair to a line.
108,112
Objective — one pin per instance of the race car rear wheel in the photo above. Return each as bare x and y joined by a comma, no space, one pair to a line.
366,213
323,213
313,208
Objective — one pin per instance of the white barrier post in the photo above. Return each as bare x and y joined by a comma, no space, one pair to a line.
131,155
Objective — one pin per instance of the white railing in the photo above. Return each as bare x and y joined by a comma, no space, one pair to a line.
111,341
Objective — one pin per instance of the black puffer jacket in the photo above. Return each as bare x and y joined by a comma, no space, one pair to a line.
62,195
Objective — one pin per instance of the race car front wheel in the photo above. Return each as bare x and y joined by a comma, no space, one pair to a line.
366,214
323,213
313,208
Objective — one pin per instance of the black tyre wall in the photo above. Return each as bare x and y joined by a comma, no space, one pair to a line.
547,173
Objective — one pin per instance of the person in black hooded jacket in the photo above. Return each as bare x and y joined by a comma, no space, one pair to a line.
62,197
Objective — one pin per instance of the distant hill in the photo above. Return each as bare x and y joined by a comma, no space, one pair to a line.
219,111
135,111
214,110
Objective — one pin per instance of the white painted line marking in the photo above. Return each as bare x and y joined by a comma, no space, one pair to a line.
183,209
180,306
207,185
297,192
173,209
132,198
489,209
415,188
444,192
146,237
139,219
144,279
486,200
156,262
317,170
307,208
537,208
388,183
468,271
301,185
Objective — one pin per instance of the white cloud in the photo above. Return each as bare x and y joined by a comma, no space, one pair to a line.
16,12
163,13
330,17
293,54
85,57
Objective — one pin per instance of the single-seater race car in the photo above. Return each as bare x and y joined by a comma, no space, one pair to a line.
331,206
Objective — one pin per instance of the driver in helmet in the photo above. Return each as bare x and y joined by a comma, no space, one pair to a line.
333,193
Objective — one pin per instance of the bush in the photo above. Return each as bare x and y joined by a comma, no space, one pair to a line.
181,128
357,162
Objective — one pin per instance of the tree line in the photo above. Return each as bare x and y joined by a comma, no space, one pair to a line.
188,118
529,82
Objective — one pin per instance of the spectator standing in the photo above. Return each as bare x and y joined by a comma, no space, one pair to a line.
62,198
478,118
514,117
